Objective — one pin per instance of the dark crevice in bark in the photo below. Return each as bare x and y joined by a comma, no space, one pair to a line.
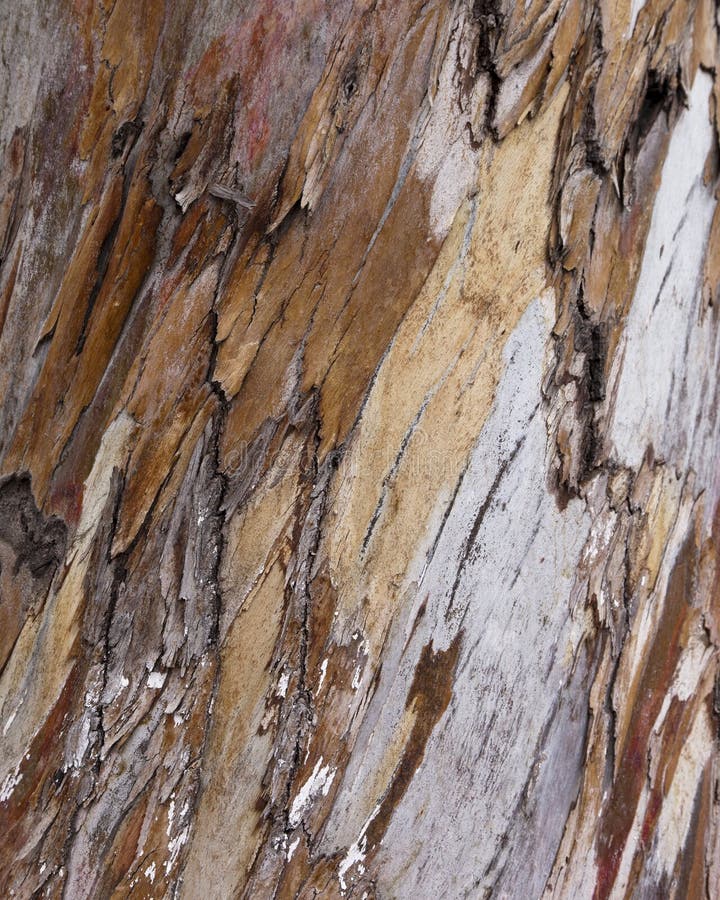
303,595
489,17
101,268
469,545
611,716
38,541
591,341
594,158
125,136
387,480
213,548
217,518
124,143
118,566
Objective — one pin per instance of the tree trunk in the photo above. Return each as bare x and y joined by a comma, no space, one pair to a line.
359,497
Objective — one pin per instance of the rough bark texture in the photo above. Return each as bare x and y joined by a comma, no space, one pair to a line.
358,449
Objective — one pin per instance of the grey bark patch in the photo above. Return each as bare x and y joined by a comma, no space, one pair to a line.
38,542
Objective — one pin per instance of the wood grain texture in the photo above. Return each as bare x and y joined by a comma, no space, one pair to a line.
359,438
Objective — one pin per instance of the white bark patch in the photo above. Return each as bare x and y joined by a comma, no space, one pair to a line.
112,452
12,780
502,569
292,848
508,591
283,684
11,718
354,857
669,349
156,680
635,8
676,813
445,155
318,784
174,848
691,669
323,673
692,666
356,853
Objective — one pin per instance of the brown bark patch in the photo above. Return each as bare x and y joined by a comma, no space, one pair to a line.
430,695
662,658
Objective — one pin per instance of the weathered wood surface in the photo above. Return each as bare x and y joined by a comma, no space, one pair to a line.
359,449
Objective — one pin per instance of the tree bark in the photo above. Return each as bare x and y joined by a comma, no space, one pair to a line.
359,485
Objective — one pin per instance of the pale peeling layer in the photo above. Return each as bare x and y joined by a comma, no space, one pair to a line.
45,652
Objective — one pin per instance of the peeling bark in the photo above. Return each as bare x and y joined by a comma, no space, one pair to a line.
359,498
